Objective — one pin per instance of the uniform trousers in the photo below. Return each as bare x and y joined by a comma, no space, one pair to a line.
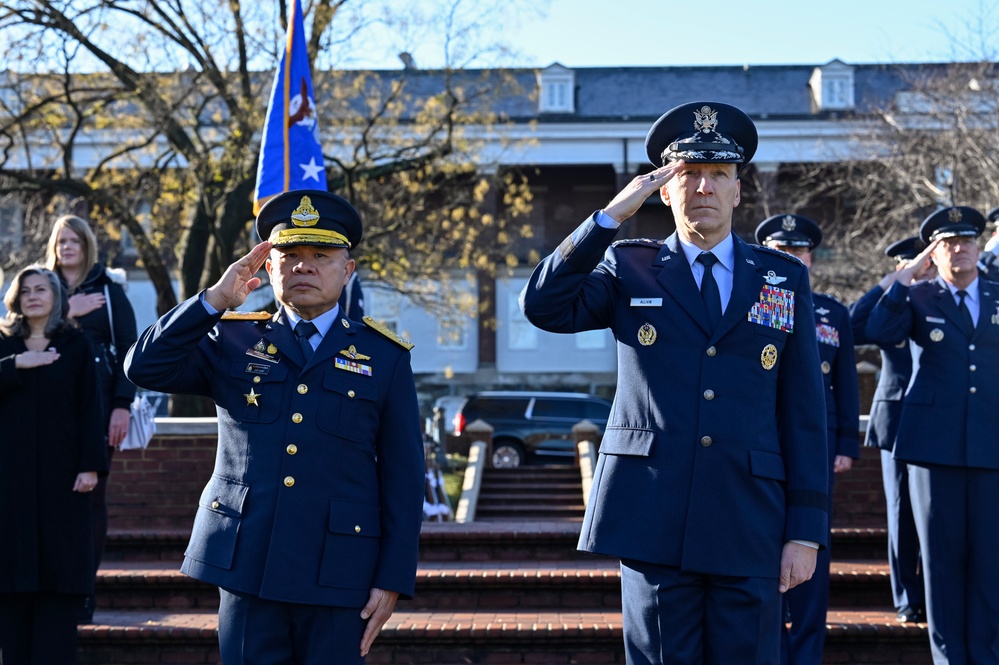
955,513
676,618
38,628
254,631
903,541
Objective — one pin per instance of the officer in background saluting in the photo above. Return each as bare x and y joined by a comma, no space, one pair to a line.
947,432
310,523
711,483
807,604
896,367
987,259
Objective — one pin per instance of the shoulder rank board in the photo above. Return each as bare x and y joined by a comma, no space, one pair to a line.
383,329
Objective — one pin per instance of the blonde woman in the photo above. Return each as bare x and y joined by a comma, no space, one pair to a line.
72,254
50,456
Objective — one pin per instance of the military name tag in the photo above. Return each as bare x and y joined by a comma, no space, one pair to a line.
827,334
934,319
352,366
774,309
646,302
257,368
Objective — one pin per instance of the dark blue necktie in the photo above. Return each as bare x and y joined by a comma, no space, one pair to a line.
969,323
709,288
305,330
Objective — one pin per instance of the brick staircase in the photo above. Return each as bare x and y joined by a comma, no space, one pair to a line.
530,493
506,590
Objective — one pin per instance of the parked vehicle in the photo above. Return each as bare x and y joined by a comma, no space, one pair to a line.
528,426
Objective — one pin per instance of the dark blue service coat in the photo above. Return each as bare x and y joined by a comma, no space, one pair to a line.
839,375
948,414
948,437
317,492
715,452
896,368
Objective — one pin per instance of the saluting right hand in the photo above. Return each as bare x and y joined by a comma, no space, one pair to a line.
631,198
238,280
919,267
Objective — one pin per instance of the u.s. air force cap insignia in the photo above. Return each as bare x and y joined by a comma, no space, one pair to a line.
702,132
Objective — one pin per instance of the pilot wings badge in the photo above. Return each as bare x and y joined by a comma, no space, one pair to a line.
774,278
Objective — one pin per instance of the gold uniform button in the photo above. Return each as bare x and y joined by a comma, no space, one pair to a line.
973,390
350,394
971,347
292,449
215,505
705,441
296,418
711,351
973,368
256,379
357,529
709,394
289,481
302,389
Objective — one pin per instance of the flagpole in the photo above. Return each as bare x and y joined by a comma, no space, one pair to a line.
287,95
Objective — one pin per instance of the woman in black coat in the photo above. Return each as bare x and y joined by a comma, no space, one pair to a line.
51,454
72,254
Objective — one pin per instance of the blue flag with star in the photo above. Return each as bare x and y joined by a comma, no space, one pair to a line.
291,155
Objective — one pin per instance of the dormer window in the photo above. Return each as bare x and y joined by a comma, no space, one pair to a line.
832,87
557,86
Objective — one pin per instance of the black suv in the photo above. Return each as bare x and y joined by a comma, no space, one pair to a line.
529,424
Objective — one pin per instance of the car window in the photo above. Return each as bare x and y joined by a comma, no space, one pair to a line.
597,410
487,408
559,408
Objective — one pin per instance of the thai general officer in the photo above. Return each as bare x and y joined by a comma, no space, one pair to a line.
904,567
711,484
310,522
807,604
947,432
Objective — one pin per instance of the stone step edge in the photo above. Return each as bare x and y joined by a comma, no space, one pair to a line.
536,530
526,627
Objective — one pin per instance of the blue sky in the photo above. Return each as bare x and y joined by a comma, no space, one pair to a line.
581,33
647,32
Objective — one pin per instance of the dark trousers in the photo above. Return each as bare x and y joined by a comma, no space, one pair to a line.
38,628
903,541
676,618
955,513
253,631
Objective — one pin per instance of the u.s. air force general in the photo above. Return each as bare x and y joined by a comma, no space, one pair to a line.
712,479
310,522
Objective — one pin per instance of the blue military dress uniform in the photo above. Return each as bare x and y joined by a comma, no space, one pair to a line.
882,427
316,495
703,468
807,604
948,437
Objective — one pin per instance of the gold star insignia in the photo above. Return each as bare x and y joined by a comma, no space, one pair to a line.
251,398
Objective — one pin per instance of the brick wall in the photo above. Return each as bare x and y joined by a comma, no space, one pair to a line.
158,488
